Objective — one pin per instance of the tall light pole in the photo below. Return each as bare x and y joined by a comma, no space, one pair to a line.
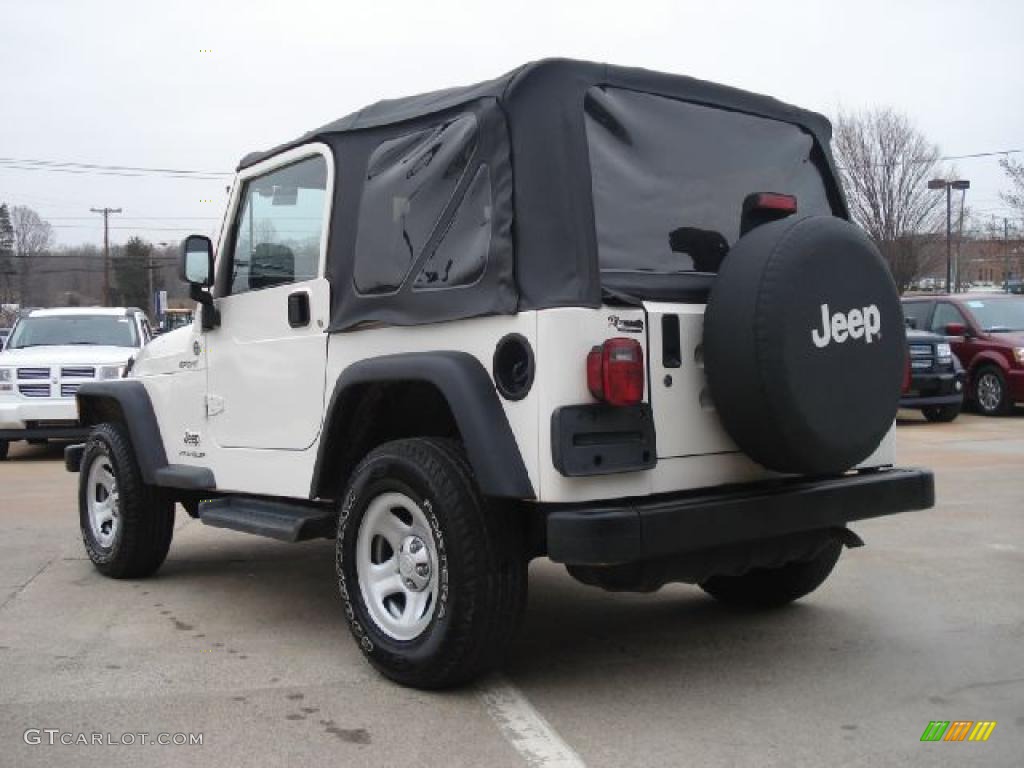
106,250
949,186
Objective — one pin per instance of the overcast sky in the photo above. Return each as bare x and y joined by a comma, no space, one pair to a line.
195,85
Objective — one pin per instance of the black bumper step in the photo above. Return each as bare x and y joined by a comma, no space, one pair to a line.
281,520
643,529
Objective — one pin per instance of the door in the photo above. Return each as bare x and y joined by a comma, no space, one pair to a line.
964,347
267,360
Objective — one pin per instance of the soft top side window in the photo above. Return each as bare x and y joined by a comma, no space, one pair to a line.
410,182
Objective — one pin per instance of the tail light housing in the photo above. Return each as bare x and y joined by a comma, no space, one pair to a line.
615,372
906,375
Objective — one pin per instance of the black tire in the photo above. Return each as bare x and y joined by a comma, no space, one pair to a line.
4,447
145,515
480,566
774,587
941,413
987,405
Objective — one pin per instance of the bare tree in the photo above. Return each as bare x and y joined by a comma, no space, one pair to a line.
886,164
1015,172
7,271
32,234
32,237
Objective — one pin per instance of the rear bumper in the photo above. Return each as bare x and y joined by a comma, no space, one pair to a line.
665,526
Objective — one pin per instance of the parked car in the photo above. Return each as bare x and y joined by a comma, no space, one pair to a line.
986,333
176,318
396,351
49,355
934,382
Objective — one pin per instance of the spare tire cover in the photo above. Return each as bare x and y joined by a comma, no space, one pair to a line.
804,345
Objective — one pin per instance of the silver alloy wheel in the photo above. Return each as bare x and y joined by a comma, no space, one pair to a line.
103,501
990,391
396,563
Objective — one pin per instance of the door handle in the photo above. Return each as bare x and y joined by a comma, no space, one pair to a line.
298,309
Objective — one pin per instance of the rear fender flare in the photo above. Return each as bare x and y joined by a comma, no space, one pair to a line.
467,387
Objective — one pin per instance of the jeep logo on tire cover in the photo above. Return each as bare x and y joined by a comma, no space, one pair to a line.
863,323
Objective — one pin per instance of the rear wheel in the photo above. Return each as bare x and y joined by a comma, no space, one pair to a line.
941,413
433,580
4,446
126,525
773,587
990,395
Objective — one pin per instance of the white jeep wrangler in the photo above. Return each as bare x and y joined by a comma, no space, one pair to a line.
608,316
53,352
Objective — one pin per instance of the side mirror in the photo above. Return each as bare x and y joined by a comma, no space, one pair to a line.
196,268
956,329
196,263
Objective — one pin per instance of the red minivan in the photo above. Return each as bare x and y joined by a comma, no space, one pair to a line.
986,332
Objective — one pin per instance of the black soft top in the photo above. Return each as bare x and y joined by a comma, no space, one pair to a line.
542,85
544,251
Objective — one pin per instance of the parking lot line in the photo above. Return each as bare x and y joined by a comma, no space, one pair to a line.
525,728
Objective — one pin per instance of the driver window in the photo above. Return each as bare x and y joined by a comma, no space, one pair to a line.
944,315
279,225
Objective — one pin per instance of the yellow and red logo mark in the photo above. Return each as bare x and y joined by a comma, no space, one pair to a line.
958,730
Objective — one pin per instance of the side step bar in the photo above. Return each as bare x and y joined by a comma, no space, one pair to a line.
282,520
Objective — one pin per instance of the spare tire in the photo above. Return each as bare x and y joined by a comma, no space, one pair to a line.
804,345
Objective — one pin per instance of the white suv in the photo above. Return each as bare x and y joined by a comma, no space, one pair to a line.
49,355
608,316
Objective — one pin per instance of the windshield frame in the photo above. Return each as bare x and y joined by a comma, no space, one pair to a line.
14,340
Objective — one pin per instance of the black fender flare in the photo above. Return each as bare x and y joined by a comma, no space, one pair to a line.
467,387
131,403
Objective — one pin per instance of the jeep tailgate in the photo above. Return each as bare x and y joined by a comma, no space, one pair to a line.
684,415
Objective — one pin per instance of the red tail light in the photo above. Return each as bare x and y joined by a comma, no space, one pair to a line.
773,201
615,372
906,375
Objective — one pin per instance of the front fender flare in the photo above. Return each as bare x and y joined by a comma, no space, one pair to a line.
128,401
132,401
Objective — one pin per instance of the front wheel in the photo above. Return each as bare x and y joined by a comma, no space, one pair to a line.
432,579
990,395
773,587
126,525
941,413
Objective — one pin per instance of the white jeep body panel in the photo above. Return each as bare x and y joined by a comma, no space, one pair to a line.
558,336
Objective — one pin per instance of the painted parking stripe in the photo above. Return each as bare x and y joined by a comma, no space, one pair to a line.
525,728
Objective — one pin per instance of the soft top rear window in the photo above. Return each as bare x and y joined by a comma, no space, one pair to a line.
660,165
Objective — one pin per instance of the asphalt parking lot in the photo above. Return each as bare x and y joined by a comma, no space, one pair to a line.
242,640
